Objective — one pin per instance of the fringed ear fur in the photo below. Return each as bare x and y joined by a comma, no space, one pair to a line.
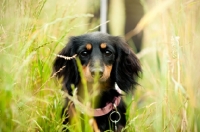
66,69
127,67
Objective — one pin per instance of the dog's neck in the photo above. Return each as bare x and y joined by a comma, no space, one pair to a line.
97,94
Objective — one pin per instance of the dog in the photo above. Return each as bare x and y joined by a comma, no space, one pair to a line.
117,68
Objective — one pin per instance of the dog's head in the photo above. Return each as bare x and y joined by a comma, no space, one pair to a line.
99,53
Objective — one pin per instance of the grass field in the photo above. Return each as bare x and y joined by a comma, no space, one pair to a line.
33,31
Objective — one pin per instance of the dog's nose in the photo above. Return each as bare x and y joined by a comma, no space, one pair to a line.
97,72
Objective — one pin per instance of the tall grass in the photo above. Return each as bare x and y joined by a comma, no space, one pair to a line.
32,32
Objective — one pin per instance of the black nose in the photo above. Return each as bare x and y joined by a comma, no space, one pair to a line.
96,72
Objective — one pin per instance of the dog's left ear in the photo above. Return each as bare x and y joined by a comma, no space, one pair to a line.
67,70
127,68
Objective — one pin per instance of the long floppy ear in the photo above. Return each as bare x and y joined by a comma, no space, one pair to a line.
67,69
127,67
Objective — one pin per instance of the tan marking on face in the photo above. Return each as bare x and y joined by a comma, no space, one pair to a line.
106,73
86,73
103,45
88,46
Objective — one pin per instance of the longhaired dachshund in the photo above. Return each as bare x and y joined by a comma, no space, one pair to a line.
107,66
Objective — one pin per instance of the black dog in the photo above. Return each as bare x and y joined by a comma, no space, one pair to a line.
116,65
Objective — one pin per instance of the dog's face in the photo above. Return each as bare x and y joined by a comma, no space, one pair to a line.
97,58
106,56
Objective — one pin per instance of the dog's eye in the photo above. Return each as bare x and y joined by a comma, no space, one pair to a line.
84,53
108,53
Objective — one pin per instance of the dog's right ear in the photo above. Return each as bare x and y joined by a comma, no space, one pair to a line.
67,69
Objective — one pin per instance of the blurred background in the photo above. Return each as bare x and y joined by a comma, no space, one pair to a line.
33,31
